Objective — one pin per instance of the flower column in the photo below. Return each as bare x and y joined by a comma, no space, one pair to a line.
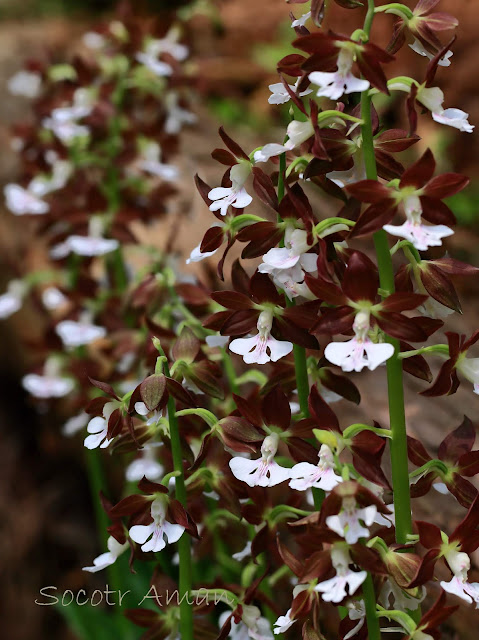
399,460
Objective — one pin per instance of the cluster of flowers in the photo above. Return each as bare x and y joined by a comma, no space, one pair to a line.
230,458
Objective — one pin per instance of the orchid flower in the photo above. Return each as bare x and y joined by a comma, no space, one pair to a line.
264,472
261,348
115,549
321,476
155,536
334,589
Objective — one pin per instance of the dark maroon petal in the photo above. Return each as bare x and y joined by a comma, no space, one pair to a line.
438,614
399,326
369,191
232,300
439,286
334,321
319,43
457,443
419,172
402,301
250,409
445,185
239,278
443,383
374,218
469,464
455,267
289,330
304,315
233,146
340,384
203,189
240,322
416,366
224,157
371,69
464,492
395,140
361,278
263,185
263,236
263,290
437,212
416,451
429,534
212,240
326,291
291,65
322,412
276,409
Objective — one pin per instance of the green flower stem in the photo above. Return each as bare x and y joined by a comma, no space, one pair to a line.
398,448
374,630
97,483
184,543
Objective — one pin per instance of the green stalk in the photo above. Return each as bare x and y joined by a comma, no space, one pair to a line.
184,543
398,446
372,620
299,353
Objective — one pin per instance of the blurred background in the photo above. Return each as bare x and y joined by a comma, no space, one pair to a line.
46,516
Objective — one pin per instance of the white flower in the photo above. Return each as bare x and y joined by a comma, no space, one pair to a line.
244,553
11,300
75,424
168,44
25,83
261,348
66,130
433,98
359,352
334,589
418,48
460,563
155,536
264,472
355,174
21,201
151,62
269,151
217,341
88,246
468,591
77,334
356,611
454,118
42,185
150,162
115,549
236,195
469,367
94,40
300,22
279,95
98,429
420,235
298,132
176,115
334,85
258,627
146,465
283,623
294,252
392,596
387,519
49,385
321,476
434,309
196,255
53,298
347,522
